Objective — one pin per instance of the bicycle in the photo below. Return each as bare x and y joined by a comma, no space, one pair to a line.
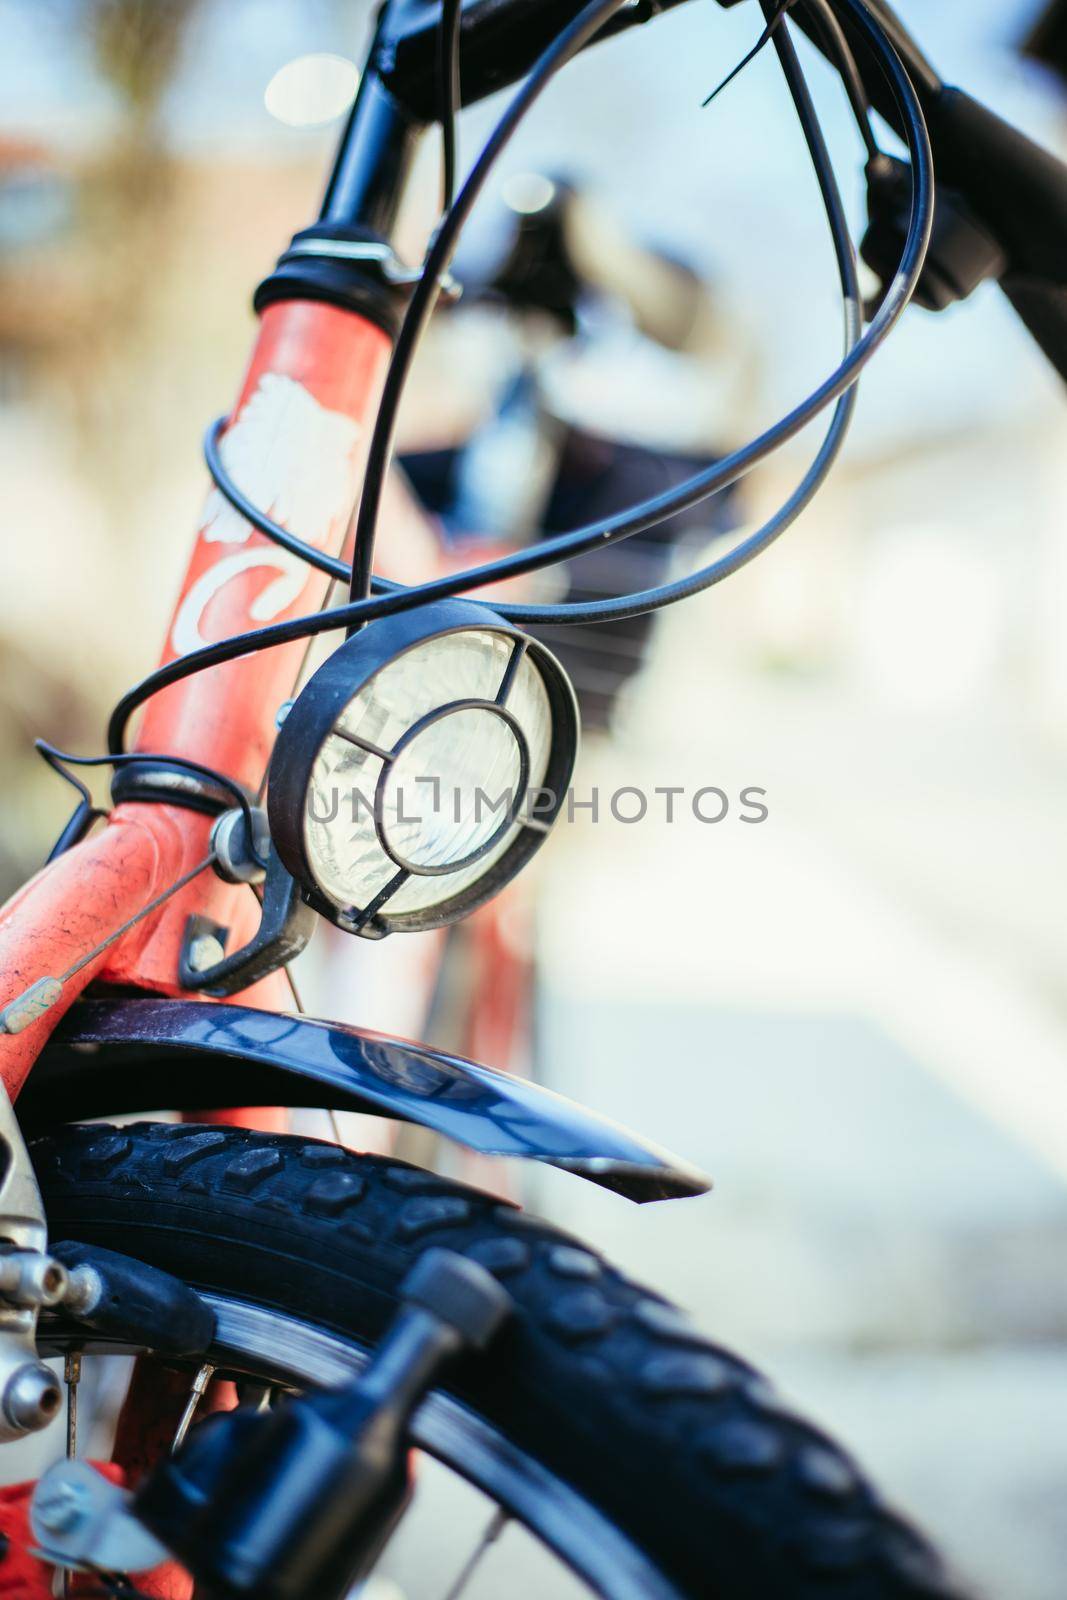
651,1462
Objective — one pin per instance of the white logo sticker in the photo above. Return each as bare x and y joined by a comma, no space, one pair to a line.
295,460
291,457
275,598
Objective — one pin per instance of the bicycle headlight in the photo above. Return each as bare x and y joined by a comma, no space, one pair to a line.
421,767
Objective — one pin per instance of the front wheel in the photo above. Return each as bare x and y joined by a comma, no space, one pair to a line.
651,1462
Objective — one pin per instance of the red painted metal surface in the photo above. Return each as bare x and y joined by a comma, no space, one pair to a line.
312,385
299,432
298,440
68,908
296,446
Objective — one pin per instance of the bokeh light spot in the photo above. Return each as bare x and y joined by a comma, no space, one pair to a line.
312,90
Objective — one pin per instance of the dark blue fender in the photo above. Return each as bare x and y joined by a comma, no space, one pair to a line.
114,1057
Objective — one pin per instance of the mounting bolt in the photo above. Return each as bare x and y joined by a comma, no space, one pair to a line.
59,1506
205,952
282,712
30,1278
238,858
31,1397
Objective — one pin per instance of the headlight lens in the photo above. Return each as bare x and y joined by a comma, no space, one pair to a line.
431,817
426,759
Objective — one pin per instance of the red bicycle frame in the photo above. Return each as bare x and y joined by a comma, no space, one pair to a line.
225,718
313,383
300,426
298,432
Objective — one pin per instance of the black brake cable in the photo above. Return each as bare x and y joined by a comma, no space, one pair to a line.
59,759
55,759
833,442
772,18
721,474
835,40
332,565
450,97
441,250
342,570
761,538
837,43
393,598
335,566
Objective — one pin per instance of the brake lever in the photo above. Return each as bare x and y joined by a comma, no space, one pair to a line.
962,253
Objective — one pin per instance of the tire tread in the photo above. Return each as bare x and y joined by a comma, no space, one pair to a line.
679,1441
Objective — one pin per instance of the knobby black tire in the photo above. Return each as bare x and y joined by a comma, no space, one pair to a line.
682,1445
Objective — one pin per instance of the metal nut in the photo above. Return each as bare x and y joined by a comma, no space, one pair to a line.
238,858
30,1278
205,952
32,1397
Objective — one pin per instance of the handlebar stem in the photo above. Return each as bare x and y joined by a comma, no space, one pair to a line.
373,160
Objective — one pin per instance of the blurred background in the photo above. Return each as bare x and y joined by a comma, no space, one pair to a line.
854,1015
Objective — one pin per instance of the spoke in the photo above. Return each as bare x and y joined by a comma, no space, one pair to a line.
196,1391
72,1372
494,1528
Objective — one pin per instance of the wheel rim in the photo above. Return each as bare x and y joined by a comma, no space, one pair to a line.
266,1344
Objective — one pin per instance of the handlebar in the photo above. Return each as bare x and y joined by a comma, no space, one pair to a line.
1010,191
499,42
1015,190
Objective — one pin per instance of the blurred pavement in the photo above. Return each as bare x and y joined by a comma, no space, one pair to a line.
867,1063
